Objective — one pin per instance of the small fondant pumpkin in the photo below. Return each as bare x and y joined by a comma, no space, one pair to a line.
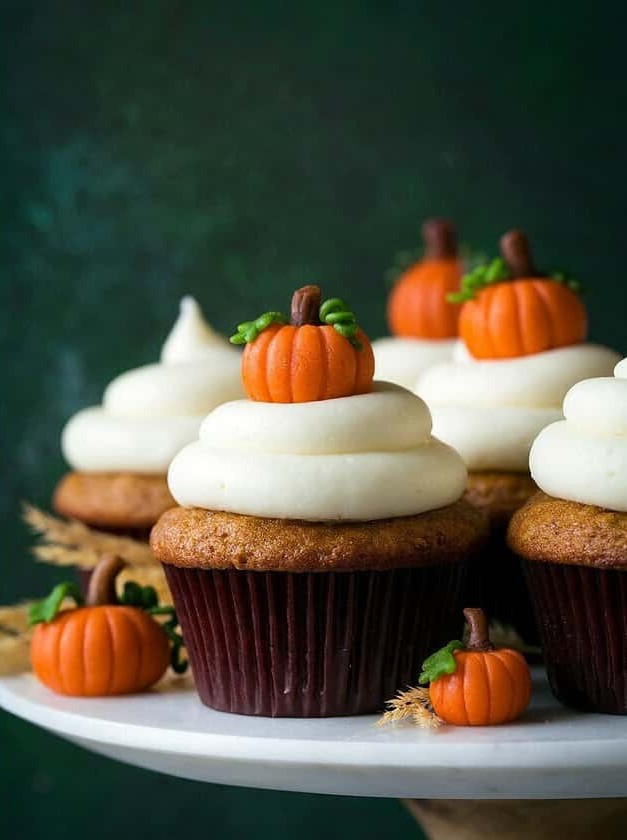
320,355
103,648
477,685
511,310
418,305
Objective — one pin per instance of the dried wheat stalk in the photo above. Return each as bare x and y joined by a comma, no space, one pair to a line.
70,543
412,704
14,639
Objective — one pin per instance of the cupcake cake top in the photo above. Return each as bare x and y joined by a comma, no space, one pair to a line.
583,458
149,413
422,321
318,440
523,348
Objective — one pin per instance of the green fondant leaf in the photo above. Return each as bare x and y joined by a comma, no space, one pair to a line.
178,665
566,280
48,609
248,331
440,663
496,271
131,594
336,314
481,276
149,597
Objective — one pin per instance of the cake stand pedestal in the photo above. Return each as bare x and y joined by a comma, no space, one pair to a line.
535,819
450,777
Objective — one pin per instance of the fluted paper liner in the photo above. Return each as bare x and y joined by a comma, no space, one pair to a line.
312,644
498,585
582,618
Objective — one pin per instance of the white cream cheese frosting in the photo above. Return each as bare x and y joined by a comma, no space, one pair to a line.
191,338
491,410
403,360
364,457
584,457
149,413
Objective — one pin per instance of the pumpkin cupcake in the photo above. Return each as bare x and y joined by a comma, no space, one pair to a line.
524,346
320,546
422,321
120,451
573,541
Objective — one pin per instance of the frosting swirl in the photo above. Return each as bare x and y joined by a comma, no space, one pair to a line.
149,413
492,410
191,339
402,360
584,457
364,457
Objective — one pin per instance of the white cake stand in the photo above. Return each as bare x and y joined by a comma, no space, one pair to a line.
551,754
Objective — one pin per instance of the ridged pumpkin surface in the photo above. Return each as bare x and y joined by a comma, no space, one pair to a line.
487,688
417,305
522,317
99,651
292,364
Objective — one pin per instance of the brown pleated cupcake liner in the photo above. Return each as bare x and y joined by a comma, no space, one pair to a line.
498,585
582,618
312,644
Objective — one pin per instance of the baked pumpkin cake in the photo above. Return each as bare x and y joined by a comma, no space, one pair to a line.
120,451
319,546
523,346
572,537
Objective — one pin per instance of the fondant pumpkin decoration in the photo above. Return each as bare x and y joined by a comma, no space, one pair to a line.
418,305
511,309
477,685
105,647
321,354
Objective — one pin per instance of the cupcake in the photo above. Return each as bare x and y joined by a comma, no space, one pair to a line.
572,537
422,321
320,544
523,347
120,451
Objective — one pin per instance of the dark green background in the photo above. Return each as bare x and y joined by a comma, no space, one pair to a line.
234,151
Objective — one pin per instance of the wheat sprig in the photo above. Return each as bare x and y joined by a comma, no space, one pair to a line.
14,639
414,704
70,543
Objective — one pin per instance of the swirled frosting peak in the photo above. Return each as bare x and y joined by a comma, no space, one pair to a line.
491,410
584,457
191,338
364,457
149,413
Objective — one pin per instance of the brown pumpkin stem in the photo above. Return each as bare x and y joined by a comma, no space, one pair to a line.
440,239
516,252
479,638
306,306
101,588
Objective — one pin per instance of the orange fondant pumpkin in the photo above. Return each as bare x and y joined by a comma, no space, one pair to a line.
321,355
418,305
104,648
478,685
524,315
97,651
